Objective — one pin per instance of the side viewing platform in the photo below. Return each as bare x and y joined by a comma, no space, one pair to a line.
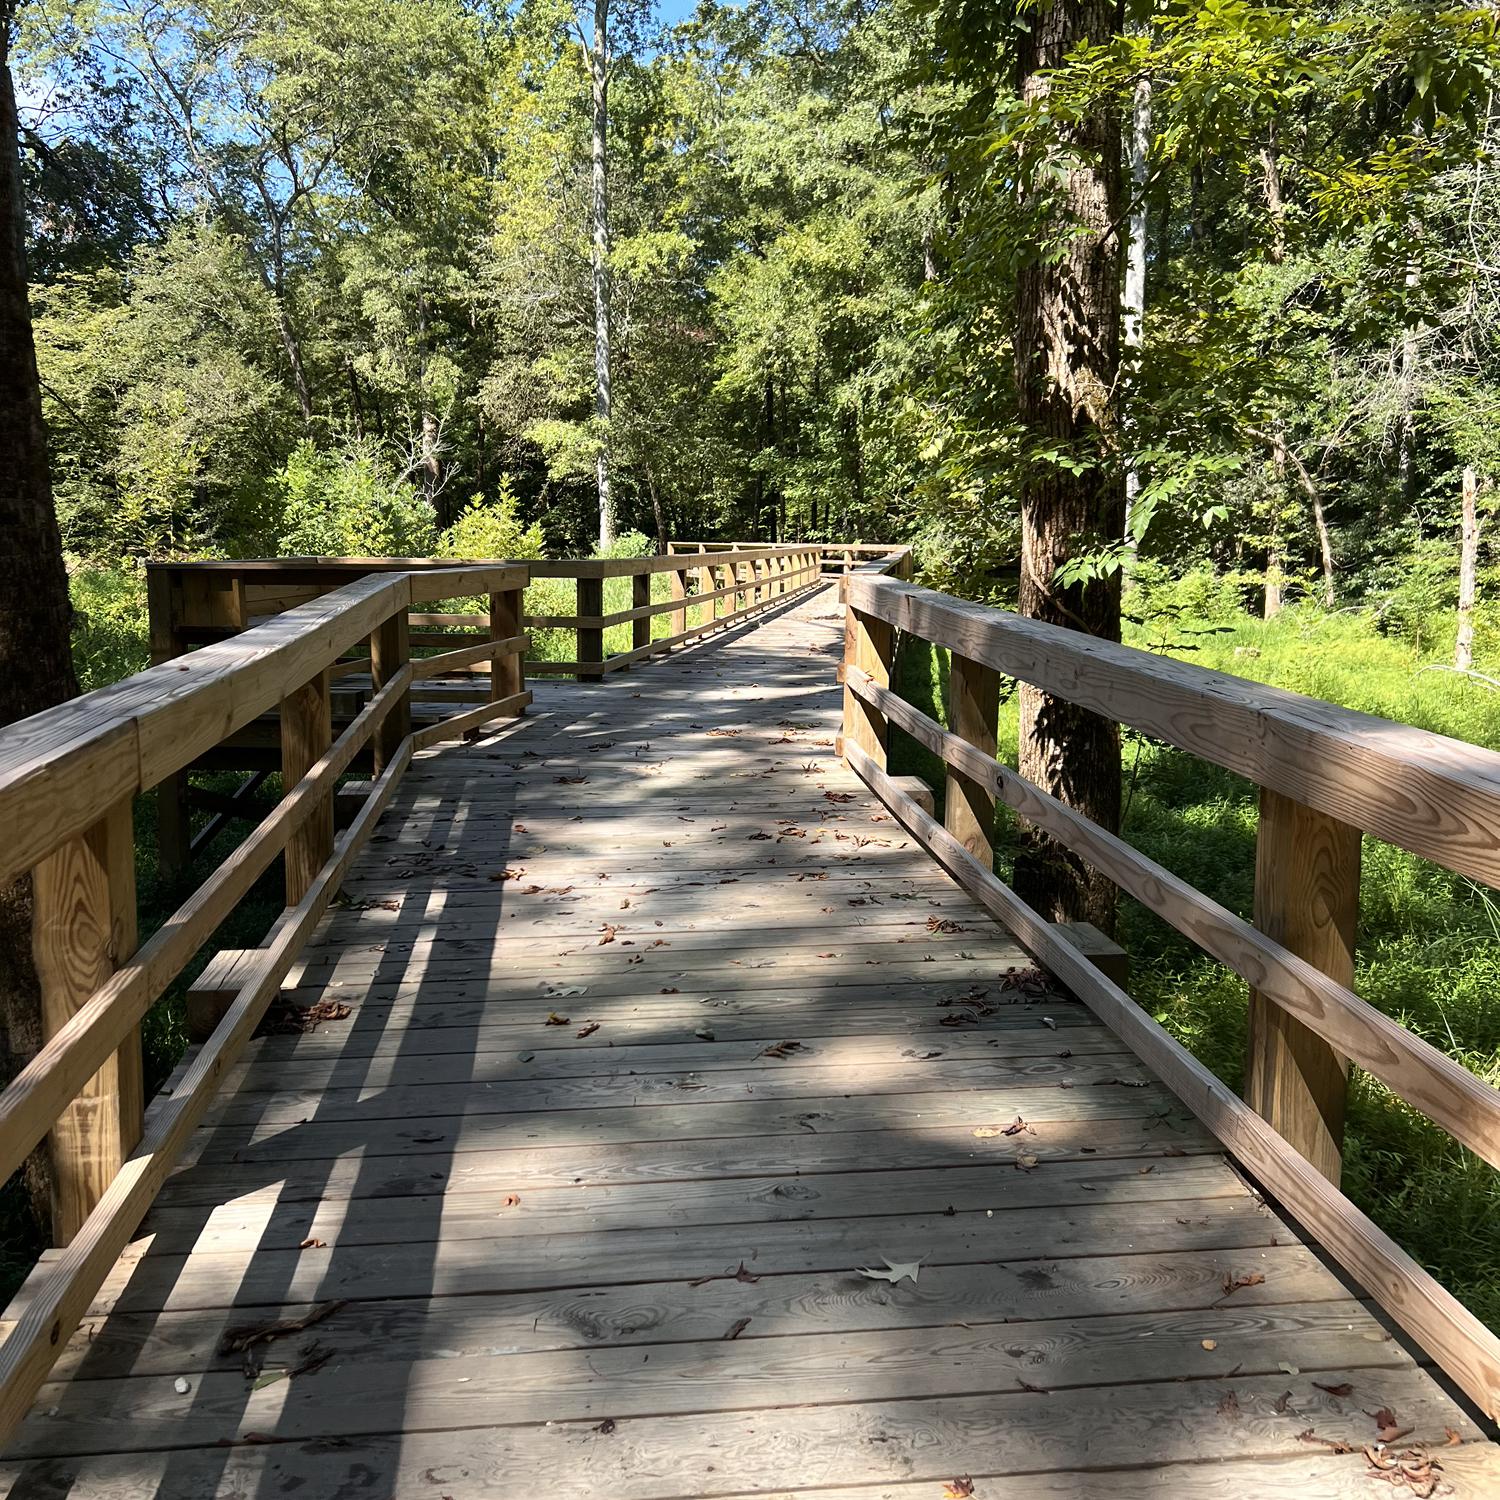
644,1095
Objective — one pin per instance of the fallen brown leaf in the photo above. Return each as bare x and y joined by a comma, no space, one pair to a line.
958,1489
1233,1283
738,1329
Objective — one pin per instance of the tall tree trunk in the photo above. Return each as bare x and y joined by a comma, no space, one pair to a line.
1133,312
36,664
431,439
293,347
1066,363
657,513
1468,568
599,74
1276,212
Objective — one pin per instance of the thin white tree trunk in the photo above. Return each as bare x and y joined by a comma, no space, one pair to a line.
1133,307
1468,566
599,71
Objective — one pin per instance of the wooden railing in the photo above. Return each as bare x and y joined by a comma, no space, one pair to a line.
67,780
834,557
192,603
1325,774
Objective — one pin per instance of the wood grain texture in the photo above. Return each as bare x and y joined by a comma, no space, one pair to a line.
1306,899
36,1096
1467,1350
390,650
1438,797
973,708
83,929
306,733
1441,1088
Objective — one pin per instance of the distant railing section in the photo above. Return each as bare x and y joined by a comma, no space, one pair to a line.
835,557
68,778
1325,774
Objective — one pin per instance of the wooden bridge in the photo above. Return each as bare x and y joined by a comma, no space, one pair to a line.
643,1096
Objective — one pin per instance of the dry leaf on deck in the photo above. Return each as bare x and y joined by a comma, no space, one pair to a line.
898,1271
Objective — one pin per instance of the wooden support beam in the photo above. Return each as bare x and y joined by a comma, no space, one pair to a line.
640,597
677,581
706,585
390,650
83,929
869,644
212,993
973,708
590,637
919,792
173,826
1306,899
1103,952
306,733
508,671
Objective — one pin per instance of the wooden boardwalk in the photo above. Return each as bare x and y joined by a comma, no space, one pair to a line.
660,1031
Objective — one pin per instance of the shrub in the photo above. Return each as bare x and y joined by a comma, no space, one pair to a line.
349,504
488,529
110,635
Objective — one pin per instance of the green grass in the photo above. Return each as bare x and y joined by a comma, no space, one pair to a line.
1429,942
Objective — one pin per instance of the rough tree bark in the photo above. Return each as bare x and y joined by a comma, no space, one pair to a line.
36,664
599,77
1066,365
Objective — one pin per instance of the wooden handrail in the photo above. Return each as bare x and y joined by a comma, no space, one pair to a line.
67,778
1435,796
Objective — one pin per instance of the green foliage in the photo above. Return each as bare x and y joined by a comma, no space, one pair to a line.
110,634
628,544
491,528
349,504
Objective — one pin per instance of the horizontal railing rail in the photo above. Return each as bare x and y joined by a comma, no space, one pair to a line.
67,781
707,590
1326,773
835,557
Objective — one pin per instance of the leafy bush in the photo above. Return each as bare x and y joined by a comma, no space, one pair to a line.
349,504
110,635
489,529
628,544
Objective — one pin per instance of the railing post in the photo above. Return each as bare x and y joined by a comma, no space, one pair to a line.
83,929
306,733
973,707
507,672
869,644
640,596
706,585
590,637
174,834
1307,899
677,581
390,650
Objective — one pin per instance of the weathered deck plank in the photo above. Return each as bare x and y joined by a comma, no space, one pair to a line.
538,1224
